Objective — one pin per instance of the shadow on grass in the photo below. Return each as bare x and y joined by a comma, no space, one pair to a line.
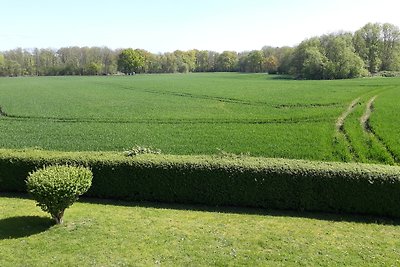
325,216
333,217
281,77
266,76
23,226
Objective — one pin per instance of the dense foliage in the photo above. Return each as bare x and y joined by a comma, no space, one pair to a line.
223,180
56,188
130,61
373,48
327,57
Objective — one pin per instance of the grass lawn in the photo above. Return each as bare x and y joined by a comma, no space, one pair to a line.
113,233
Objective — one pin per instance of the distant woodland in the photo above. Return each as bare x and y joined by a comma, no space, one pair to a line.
375,48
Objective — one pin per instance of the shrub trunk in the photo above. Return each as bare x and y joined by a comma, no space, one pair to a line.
59,217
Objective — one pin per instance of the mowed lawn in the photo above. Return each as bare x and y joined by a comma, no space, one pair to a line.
260,114
105,233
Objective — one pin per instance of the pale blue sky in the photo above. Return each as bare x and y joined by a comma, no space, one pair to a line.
162,26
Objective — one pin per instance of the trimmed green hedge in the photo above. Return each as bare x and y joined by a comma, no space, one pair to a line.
214,180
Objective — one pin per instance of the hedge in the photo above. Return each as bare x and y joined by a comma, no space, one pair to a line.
217,180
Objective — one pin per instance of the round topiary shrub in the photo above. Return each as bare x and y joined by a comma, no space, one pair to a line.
55,188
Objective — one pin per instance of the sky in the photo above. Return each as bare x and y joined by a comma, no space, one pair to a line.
164,26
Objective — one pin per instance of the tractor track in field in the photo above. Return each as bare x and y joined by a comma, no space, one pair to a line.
365,118
170,121
340,126
345,114
240,101
230,100
367,128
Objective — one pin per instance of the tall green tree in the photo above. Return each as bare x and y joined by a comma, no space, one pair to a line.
202,61
271,64
70,58
12,68
314,64
146,57
185,60
49,62
342,60
21,57
327,57
168,63
277,59
153,63
227,61
308,62
368,44
206,61
130,61
284,56
255,60
390,47
108,58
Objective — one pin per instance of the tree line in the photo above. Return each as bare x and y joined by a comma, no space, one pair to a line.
373,48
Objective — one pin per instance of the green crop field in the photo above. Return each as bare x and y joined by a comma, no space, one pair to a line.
261,115
204,114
